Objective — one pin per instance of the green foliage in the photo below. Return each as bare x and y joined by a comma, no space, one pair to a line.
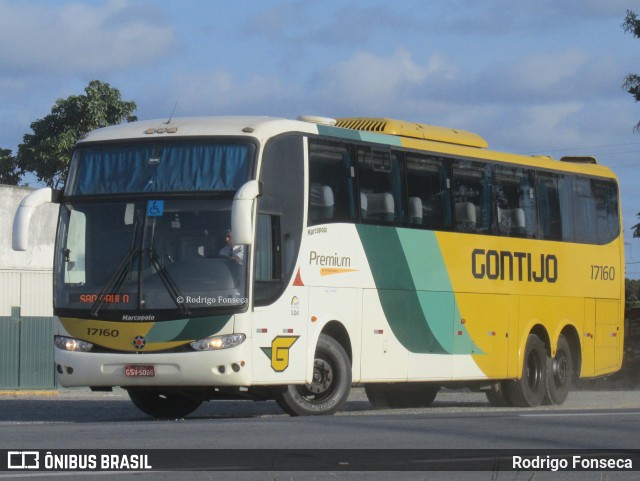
632,286
10,173
47,151
631,25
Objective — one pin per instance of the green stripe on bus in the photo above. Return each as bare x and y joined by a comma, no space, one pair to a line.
415,290
187,329
397,290
350,134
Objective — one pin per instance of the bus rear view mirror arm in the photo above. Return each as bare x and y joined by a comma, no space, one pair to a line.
242,212
22,218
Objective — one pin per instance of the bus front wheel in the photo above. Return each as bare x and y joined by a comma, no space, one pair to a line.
164,404
329,388
530,389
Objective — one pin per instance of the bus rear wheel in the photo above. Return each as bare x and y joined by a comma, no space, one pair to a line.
559,373
330,386
530,389
405,395
164,404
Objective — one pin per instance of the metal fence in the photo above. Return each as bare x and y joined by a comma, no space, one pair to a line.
26,352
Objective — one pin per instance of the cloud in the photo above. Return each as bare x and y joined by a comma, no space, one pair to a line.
221,92
298,23
548,71
540,17
78,37
367,81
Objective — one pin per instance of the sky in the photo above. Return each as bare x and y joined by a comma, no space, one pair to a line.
533,77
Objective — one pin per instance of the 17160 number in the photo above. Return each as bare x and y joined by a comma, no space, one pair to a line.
93,331
603,273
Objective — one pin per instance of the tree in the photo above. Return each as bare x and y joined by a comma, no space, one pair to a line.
10,173
632,286
631,25
47,151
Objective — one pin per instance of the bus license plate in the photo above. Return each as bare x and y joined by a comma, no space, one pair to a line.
132,370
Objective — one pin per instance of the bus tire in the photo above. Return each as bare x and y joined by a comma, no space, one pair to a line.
164,404
559,373
330,387
497,395
401,395
530,389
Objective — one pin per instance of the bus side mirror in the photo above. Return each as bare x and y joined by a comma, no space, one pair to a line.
22,218
242,213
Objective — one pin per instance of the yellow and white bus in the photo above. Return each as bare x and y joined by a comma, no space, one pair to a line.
253,257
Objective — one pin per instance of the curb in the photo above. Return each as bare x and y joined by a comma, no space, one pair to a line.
25,393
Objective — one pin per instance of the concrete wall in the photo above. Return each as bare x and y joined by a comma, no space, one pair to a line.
26,277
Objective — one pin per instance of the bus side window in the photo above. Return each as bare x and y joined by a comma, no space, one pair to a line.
607,217
380,181
331,183
567,197
74,272
429,193
472,185
584,203
514,199
267,260
548,204
281,216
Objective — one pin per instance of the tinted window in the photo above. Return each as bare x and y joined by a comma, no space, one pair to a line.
472,196
514,198
282,177
331,183
429,195
380,179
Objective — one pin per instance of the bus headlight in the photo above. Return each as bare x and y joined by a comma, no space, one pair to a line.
71,344
218,342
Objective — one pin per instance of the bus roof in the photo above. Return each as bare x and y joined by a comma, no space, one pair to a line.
413,130
379,130
250,126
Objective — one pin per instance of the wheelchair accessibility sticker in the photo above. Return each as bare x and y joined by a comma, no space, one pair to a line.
155,208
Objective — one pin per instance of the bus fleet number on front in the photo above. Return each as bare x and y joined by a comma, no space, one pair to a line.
603,273
92,331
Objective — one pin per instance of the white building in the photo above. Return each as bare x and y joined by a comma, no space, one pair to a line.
26,277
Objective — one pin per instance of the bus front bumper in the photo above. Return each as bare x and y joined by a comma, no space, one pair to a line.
225,367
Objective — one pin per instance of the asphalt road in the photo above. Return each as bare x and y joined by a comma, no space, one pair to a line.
78,419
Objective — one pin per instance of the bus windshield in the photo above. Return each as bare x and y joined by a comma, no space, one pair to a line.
160,166
145,229
166,257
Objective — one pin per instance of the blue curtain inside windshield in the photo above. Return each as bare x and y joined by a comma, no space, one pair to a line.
160,168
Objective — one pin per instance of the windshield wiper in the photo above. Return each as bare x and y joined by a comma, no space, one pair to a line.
115,281
166,279
120,274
